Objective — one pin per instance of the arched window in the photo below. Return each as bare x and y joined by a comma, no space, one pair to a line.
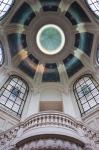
5,5
86,91
94,6
1,54
13,94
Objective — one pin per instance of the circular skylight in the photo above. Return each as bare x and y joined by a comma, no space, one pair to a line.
94,6
50,39
5,5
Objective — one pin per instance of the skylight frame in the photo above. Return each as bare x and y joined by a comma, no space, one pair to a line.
6,6
1,54
92,6
10,101
91,99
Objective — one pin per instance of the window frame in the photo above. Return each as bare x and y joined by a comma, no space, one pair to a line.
22,100
88,5
78,99
3,56
10,6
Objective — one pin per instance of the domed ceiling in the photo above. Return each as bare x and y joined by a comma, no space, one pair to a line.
50,33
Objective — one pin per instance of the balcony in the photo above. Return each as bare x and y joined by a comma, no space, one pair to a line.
48,130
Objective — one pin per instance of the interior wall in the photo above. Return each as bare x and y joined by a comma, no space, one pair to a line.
51,95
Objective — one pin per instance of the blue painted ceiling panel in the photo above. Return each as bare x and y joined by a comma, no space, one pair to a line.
28,67
24,15
17,42
84,42
50,5
33,59
76,14
51,73
72,65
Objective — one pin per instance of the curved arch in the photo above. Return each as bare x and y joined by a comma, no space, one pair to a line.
18,41
86,91
13,94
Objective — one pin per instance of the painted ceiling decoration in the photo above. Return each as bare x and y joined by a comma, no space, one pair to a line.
76,14
24,15
84,42
27,56
50,5
51,73
17,42
29,65
18,45
72,65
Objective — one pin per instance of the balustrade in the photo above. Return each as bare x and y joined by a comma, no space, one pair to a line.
46,119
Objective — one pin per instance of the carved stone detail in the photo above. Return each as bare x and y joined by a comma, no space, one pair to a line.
89,147
49,119
51,143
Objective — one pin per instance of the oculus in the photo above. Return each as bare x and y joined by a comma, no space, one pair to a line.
50,39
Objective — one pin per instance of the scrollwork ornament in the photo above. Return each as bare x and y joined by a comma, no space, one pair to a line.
88,147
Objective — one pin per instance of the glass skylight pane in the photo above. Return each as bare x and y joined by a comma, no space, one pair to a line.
92,103
83,100
13,94
9,104
5,5
15,107
21,95
94,6
87,93
15,79
1,55
11,97
86,107
18,101
12,83
6,93
97,99
9,87
3,99
2,7
6,1
6,8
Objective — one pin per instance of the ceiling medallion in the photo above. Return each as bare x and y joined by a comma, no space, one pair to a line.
50,39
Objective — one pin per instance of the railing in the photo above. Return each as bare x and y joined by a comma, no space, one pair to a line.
50,119
45,119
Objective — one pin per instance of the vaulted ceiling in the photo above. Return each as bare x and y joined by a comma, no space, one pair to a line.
72,17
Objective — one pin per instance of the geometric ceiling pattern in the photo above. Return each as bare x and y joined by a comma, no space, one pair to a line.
49,12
